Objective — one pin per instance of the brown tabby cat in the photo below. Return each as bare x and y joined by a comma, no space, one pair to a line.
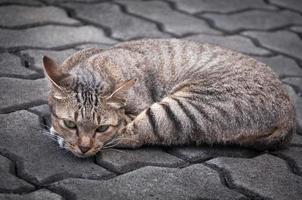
166,92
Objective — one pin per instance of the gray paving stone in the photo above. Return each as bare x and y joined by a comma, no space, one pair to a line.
10,65
51,36
64,1
292,4
238,43
265,175
282,41
255,19
173,21
193,182
294,154
10,183
6,165
36,195
35,57
21,93
122,161
296,82
296,140
21,2
44,112
194,6
16,16
297,29
282,65
122,26
38,157
197,154
100,46
40,110
298,107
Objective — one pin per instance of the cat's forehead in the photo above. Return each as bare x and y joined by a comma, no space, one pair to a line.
84,114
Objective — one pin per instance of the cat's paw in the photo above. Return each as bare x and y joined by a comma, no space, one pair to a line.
128,139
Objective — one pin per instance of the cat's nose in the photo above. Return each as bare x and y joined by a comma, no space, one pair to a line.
84,149
85,143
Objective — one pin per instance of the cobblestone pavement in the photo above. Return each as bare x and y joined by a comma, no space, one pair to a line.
33,167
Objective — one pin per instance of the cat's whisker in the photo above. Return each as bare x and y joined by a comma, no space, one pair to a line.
120,151
45,125
120,138
54,137
112,143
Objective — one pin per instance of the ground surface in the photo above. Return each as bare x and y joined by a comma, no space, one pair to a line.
33,167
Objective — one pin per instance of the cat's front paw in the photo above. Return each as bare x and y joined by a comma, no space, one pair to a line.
128,139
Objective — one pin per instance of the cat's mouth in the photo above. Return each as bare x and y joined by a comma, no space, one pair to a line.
76,150
81,152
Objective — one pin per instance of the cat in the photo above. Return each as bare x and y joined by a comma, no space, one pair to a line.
166,92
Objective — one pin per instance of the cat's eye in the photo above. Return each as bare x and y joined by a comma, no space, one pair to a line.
102,128
70,124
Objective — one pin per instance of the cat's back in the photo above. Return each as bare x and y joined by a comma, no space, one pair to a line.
172,62
180,59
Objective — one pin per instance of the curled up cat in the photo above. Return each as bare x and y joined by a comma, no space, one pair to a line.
166,92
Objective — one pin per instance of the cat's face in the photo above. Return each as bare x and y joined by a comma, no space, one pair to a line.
84,120
84,131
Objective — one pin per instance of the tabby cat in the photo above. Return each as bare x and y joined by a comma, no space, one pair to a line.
166,92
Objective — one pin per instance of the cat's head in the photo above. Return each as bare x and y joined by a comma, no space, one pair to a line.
87,110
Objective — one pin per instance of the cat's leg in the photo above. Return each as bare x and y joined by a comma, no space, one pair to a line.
163,123
179,120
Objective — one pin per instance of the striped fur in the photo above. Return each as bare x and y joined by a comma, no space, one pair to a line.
186,93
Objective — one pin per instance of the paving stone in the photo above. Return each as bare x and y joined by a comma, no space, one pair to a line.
296,82
282,65
292,4
10,65
122,161
64,1
20,93
173,21
265,175
197,154
122,26
35,57
10,183
16,16
282,41
297,29
294,155
298,107
100,46
194,6
193,182
255,19
44,112
51,36
296,140
6,165
41,110
238,43
39,158
21,2
36,195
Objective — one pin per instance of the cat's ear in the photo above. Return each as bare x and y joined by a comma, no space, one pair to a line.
116,103
114,99
54,74
122,87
